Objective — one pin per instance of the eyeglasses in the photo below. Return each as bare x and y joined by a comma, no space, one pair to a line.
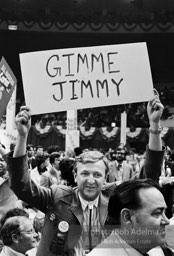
32,231
119,153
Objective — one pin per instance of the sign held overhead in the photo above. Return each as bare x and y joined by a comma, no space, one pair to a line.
77,78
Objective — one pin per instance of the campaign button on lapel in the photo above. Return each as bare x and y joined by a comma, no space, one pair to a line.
63,226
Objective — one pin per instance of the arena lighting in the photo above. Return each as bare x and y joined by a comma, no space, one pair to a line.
113,124
12,27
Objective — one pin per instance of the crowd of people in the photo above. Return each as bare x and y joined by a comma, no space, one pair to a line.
84,201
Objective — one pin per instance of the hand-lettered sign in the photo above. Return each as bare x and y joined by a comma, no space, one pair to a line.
77,78
8,82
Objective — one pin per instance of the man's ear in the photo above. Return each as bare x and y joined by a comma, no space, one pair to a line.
126,215
75,175
15,238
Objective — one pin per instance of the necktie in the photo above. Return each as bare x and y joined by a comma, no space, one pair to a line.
119,167
90,206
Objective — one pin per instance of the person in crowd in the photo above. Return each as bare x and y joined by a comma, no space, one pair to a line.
119,169
42,162
133,159
18,236
167,185
53,148
53,175
13,212
66,167
167,181
136,214
77,151
8,199
31,157
39,150
67,209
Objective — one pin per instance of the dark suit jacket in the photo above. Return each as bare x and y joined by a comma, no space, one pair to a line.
59,203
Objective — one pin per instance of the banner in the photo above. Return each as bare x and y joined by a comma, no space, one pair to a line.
77,78
8,82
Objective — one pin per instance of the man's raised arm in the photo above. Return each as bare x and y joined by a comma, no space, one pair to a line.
154,153
23,124
154,112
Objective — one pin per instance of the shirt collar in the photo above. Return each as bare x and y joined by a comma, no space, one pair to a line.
84,203
9,251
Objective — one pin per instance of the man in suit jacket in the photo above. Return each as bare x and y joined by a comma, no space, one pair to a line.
119,169
65,207
136,214
53,175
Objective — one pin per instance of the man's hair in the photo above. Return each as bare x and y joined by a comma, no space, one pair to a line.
66,167
41,159
13,225
78,151
92,157
39,146
29,146
13,212
52,157
126,195
53,148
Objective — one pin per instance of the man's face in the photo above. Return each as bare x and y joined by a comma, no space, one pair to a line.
56,163
120,155
45,164
28,237
3,166
150,220
90,178
39,152
30,152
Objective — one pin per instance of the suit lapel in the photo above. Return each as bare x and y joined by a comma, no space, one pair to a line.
103,208
76,208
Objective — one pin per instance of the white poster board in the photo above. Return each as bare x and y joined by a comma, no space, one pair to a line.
77,78
7,137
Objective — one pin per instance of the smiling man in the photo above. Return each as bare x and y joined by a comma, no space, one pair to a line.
74,216
90,174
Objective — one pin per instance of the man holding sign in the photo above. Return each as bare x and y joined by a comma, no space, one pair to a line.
75,217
